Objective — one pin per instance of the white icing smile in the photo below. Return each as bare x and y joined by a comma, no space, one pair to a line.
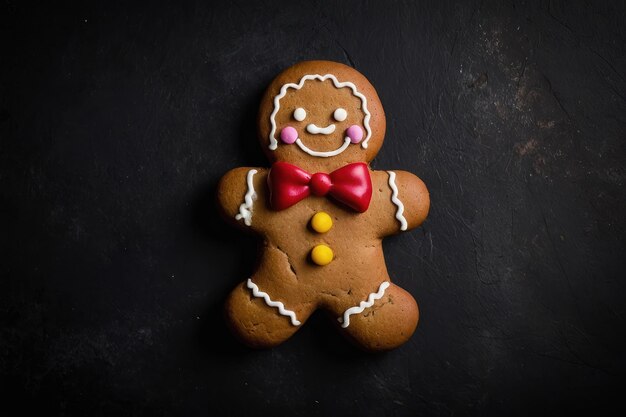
313,129
311,152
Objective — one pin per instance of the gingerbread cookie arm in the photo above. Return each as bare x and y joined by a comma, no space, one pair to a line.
403,198
241,196
412,195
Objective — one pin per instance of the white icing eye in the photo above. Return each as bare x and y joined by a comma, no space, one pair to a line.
299,114
340,115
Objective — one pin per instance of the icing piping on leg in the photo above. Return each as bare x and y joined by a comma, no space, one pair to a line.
395,200
245,209
276,304
345,321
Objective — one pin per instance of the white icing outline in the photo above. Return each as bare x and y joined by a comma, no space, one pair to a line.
311,152
276,304
395,200
283,90
363,304
314,130
245,209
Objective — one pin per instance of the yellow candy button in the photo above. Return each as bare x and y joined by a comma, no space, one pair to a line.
322,255
321,222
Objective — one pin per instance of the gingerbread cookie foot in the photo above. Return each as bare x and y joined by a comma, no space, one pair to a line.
387,320
257,319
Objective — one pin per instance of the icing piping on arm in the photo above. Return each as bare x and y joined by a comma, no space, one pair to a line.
245,209
395,200
276,304
345,321
283,90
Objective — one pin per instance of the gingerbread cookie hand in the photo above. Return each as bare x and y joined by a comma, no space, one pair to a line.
239,198
322,213
404,198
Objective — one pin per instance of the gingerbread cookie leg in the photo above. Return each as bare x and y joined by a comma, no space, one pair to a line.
260,319
383,320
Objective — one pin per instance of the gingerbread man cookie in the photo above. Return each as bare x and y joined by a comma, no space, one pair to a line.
322,213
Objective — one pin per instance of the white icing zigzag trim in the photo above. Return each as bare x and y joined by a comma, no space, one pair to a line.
363,305
395,200
245,209
276,304
283,90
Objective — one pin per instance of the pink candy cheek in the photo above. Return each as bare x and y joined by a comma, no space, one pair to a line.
288,135
355,133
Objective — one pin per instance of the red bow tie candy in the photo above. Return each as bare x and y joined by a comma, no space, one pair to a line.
350,185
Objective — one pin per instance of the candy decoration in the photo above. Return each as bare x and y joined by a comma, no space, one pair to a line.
322,255
289,135
350,185
354,132
321,222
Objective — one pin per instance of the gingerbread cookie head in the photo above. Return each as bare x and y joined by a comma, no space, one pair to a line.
321,114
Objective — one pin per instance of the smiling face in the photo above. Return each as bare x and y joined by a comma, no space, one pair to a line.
323,123
321,115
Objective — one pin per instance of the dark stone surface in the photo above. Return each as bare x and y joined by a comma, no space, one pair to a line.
116,121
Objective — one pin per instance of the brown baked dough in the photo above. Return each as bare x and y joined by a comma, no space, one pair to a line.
288,286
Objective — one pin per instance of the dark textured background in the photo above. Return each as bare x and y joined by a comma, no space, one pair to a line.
116,122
